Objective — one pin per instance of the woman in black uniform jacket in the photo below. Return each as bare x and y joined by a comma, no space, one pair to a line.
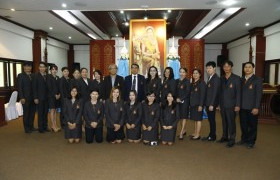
73,113
183,99
98,84
153,82
198,90
150,118
114,113
169,118
133,115
75,81
168,85
53,95
93,115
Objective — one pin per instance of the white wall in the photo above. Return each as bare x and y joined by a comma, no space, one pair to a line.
57,53
239,53
272,35
211,53
15,41
81,55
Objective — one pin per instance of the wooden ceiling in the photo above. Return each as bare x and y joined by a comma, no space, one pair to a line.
179,22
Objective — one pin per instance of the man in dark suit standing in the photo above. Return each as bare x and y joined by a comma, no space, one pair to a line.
64,89
251,95
85,84
40,92
229,103
112,80
135,82
212,98
24,83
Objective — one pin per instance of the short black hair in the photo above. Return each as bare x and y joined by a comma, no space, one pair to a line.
228,62
134,64
253,65
27,64
98,72
43,63
64,68
183,68
84,69
53,66
211,63
78,94
94,90
76,70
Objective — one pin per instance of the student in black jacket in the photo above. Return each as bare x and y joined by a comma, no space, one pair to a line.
153,83
75,81
64,89
53,96
98,83
212,98
229,103
40,92
73,109
85,84
93,115
25,93
251,95
114,112
183,99
198,89
168,85
133,116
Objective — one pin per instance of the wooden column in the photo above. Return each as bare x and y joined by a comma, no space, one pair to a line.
259,49
224,50
2,111
37,48
70,60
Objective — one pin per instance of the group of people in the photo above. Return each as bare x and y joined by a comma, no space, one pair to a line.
141,108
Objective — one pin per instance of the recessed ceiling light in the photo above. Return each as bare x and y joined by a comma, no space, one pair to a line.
117,35
69,37
145,17
121,11
64,5
91,35
50,28
228,2
169,11
247,24
12,9
126,24
165,17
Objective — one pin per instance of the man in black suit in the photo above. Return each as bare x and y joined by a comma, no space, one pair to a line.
135,82
24,83
212,98
229,103
40,92
251,95
85,84
64,89
112,80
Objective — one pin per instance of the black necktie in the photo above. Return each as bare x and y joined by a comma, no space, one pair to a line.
133,83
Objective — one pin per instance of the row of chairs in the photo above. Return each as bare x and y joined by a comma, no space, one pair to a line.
13,109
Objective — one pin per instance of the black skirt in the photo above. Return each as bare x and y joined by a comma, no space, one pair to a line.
168,135
134,134
184,110
194,114
53,103
73,133
114,135
150,135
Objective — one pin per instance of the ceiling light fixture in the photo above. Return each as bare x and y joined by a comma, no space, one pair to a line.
126,24
66,15
91,35
121,11
145,17
12,9
231,10
117,35
69,37
50,28
165,17
64,5
247,24
228,2
208,28
169,10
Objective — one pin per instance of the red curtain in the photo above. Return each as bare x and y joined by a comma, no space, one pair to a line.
191,52
102,54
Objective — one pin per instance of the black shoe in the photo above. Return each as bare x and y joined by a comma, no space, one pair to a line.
211,139
34,129
47,130
185,133
28,131
205,138
222,140
230,145
240,143
193,138
41,131
250,146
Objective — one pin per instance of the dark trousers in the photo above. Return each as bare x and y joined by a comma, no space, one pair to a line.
92,133
212,122
42,115
28,115
249,125
62,118
229,126
114,135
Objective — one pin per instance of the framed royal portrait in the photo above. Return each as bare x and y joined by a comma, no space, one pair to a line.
148,44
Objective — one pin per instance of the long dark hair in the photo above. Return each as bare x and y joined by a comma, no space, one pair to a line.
136,99
173,105
149,76
171,76
78,94
98,72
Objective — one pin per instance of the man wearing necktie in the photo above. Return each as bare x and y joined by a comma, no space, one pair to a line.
135,82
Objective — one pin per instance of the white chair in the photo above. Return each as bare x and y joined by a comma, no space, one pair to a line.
10,108
19,108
